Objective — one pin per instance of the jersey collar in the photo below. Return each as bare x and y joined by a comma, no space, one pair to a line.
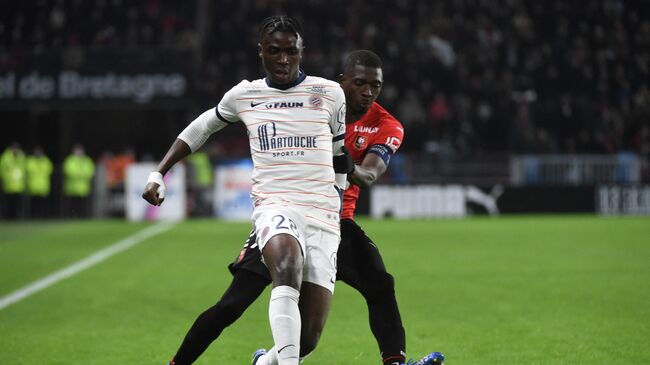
301,78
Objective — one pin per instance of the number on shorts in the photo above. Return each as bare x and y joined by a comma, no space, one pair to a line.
282,224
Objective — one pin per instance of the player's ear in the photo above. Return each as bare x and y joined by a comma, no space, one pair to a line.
259,50
340,77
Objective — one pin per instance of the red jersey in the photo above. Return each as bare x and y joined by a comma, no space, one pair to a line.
376,132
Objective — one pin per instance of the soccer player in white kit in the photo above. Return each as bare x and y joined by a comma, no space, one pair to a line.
295,124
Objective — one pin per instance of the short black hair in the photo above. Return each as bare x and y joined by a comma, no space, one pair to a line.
362,57
279,23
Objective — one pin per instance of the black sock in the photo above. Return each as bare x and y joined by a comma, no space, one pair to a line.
386,325
244,289
386,322
392,360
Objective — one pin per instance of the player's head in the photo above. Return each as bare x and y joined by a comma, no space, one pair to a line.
361,80
280,48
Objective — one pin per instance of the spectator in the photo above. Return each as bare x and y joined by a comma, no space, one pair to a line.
78,171
39,171
12,172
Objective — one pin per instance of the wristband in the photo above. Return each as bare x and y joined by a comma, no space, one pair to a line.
156,177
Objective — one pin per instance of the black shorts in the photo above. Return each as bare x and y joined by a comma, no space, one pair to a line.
250,259
358,257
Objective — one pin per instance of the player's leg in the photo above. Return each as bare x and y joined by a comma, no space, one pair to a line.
283,256
319,276
250,277
314,308
361,266
245,288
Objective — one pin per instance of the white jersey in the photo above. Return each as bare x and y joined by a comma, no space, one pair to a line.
291,133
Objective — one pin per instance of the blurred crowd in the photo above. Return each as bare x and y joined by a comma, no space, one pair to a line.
465,77
44,24
33,186
469,77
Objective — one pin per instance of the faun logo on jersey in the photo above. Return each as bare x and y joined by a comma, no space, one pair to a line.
366,129
273,141
279,104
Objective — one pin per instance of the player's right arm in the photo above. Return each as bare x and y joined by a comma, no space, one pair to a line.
370,169
190,140
377,158
154,192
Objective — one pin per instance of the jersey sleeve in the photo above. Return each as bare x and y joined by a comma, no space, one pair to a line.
211,121
337,125
388,141
226,110
337,121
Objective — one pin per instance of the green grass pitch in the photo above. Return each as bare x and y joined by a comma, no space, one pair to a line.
520,290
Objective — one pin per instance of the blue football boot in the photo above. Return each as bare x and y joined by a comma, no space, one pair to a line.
434,358
257,355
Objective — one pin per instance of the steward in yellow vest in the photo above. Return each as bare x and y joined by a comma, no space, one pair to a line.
78,171
12,179
39,171
12,170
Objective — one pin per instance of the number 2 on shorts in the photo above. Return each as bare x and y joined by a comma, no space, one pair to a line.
282,224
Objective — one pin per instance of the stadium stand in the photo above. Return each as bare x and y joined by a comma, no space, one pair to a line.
473,81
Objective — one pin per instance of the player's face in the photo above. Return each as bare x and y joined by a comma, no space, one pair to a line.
362,86
281,53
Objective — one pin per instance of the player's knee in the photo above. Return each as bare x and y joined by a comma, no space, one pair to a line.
285,261
288,276
379,286
288,272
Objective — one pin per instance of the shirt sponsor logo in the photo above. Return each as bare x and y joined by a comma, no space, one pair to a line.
317,90
269,140
366,129
393,142
279,104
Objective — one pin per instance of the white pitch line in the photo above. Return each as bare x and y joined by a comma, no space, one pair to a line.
79,266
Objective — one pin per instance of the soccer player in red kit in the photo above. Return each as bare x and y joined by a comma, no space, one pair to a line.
372,136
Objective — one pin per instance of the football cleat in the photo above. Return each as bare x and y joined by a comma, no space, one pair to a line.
257,355
434,358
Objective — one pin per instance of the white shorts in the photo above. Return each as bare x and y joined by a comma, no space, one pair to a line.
319,246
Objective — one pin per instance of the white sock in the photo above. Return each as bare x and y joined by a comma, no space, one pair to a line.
284,317
270,358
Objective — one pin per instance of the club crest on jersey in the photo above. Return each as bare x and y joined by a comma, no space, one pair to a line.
360,142
315,100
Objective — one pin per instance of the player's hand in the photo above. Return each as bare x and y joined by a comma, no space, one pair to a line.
154,192
343,164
